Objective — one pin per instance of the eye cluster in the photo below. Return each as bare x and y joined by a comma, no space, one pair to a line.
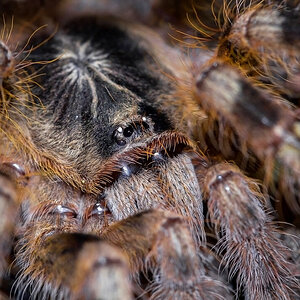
124,134
99,209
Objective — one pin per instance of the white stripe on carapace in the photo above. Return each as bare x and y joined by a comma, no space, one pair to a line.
97,61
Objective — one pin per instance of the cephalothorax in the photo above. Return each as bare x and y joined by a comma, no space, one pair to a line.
103,180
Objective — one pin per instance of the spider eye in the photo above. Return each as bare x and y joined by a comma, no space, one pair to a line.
128,131
99,209
65,211
119,137
122,135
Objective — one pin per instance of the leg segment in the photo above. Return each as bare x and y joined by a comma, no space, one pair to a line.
267,126
264,40
248,239
8,211
69,265
163,241
276,28
77,266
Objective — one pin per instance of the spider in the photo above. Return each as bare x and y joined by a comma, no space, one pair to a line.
138,165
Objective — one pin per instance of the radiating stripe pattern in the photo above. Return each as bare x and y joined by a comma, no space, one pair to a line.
100,76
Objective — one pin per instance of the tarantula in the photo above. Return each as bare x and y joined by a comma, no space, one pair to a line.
123,154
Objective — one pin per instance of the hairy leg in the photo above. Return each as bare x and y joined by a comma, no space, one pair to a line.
248,238
9,205
263,123
77,266
163,241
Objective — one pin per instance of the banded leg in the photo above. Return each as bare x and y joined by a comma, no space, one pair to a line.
265,40
163,241
248,239
271,28
268,127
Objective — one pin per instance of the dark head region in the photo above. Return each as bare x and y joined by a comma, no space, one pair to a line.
100,77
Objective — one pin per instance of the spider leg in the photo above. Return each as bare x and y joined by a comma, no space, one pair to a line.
95,270
9,205
265,41
266,125
248,239
163,241
274,28
56,256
